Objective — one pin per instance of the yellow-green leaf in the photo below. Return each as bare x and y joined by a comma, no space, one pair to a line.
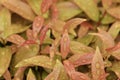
5,58
89,7
30,75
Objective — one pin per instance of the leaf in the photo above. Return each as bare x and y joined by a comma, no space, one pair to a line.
107,40
19,73
5,19
107,19
74,75
89,8
84,28
115,12
29,34
7,75
37,25
106,3
65,44
78,60
35,5
13,29
20,8
41,60
115,51
54,75
97,65
67,10
72,24
43,33
16,39
54,12
45,5
115,68
114,29
79,48
5,58
30,75
25,52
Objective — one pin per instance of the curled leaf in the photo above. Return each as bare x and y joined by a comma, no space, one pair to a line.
98,71
89,8
65,44
106,38
20,8
41,60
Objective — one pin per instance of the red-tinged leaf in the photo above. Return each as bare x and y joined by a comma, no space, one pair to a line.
79,76
27,42
19,73
74,75
16,39
19,7
7,75
46,50
29,34
98,71
106,3
84,28
73,23
115,12
13,48
115,51
46,4
106,38
65,44
82,60
54,11
37,25
43,33
69,67
55,73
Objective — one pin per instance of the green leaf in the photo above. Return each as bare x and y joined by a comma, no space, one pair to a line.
41,60
107,19
67,10
5,58
58,72
80,48
98,71
35,5
116,68
89,6
24,52
14,28
114,29
30,75
5,19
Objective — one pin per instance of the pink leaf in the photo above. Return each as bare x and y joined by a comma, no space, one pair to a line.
65,44
46,4
37,25
29,34
98,71
54,12
16,39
